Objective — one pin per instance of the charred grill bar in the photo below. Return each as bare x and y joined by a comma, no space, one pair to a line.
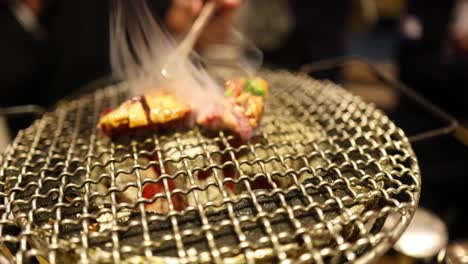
316,184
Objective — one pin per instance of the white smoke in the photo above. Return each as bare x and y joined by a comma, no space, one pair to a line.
140,49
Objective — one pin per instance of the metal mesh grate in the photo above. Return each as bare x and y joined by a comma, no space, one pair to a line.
315,185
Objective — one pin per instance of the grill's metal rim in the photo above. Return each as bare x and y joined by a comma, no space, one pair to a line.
383,246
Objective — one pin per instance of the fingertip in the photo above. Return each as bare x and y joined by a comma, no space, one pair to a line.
197,5
230,3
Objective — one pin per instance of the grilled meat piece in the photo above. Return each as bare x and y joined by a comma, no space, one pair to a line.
164,108
243,108
152,110
128,115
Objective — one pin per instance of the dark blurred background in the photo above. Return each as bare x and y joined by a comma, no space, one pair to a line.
58,46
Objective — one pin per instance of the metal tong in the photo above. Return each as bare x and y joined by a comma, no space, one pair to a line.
186,46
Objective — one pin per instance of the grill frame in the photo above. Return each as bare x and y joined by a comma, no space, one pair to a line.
331,94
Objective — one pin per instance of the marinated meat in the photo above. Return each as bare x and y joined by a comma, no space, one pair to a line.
152,110
243,108
128,115
164,108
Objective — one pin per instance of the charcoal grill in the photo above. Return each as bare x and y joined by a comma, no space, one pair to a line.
348,166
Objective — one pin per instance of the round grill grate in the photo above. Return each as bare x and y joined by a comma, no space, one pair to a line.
316,184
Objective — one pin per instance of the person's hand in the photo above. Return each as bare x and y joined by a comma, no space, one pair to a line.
182,13
460,28
34,5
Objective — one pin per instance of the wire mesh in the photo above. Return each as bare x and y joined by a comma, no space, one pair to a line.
316,184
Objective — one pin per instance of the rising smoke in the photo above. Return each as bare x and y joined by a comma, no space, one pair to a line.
140,49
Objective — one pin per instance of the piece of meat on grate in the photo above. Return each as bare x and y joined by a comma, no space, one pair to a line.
241,113
155,109
243,108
